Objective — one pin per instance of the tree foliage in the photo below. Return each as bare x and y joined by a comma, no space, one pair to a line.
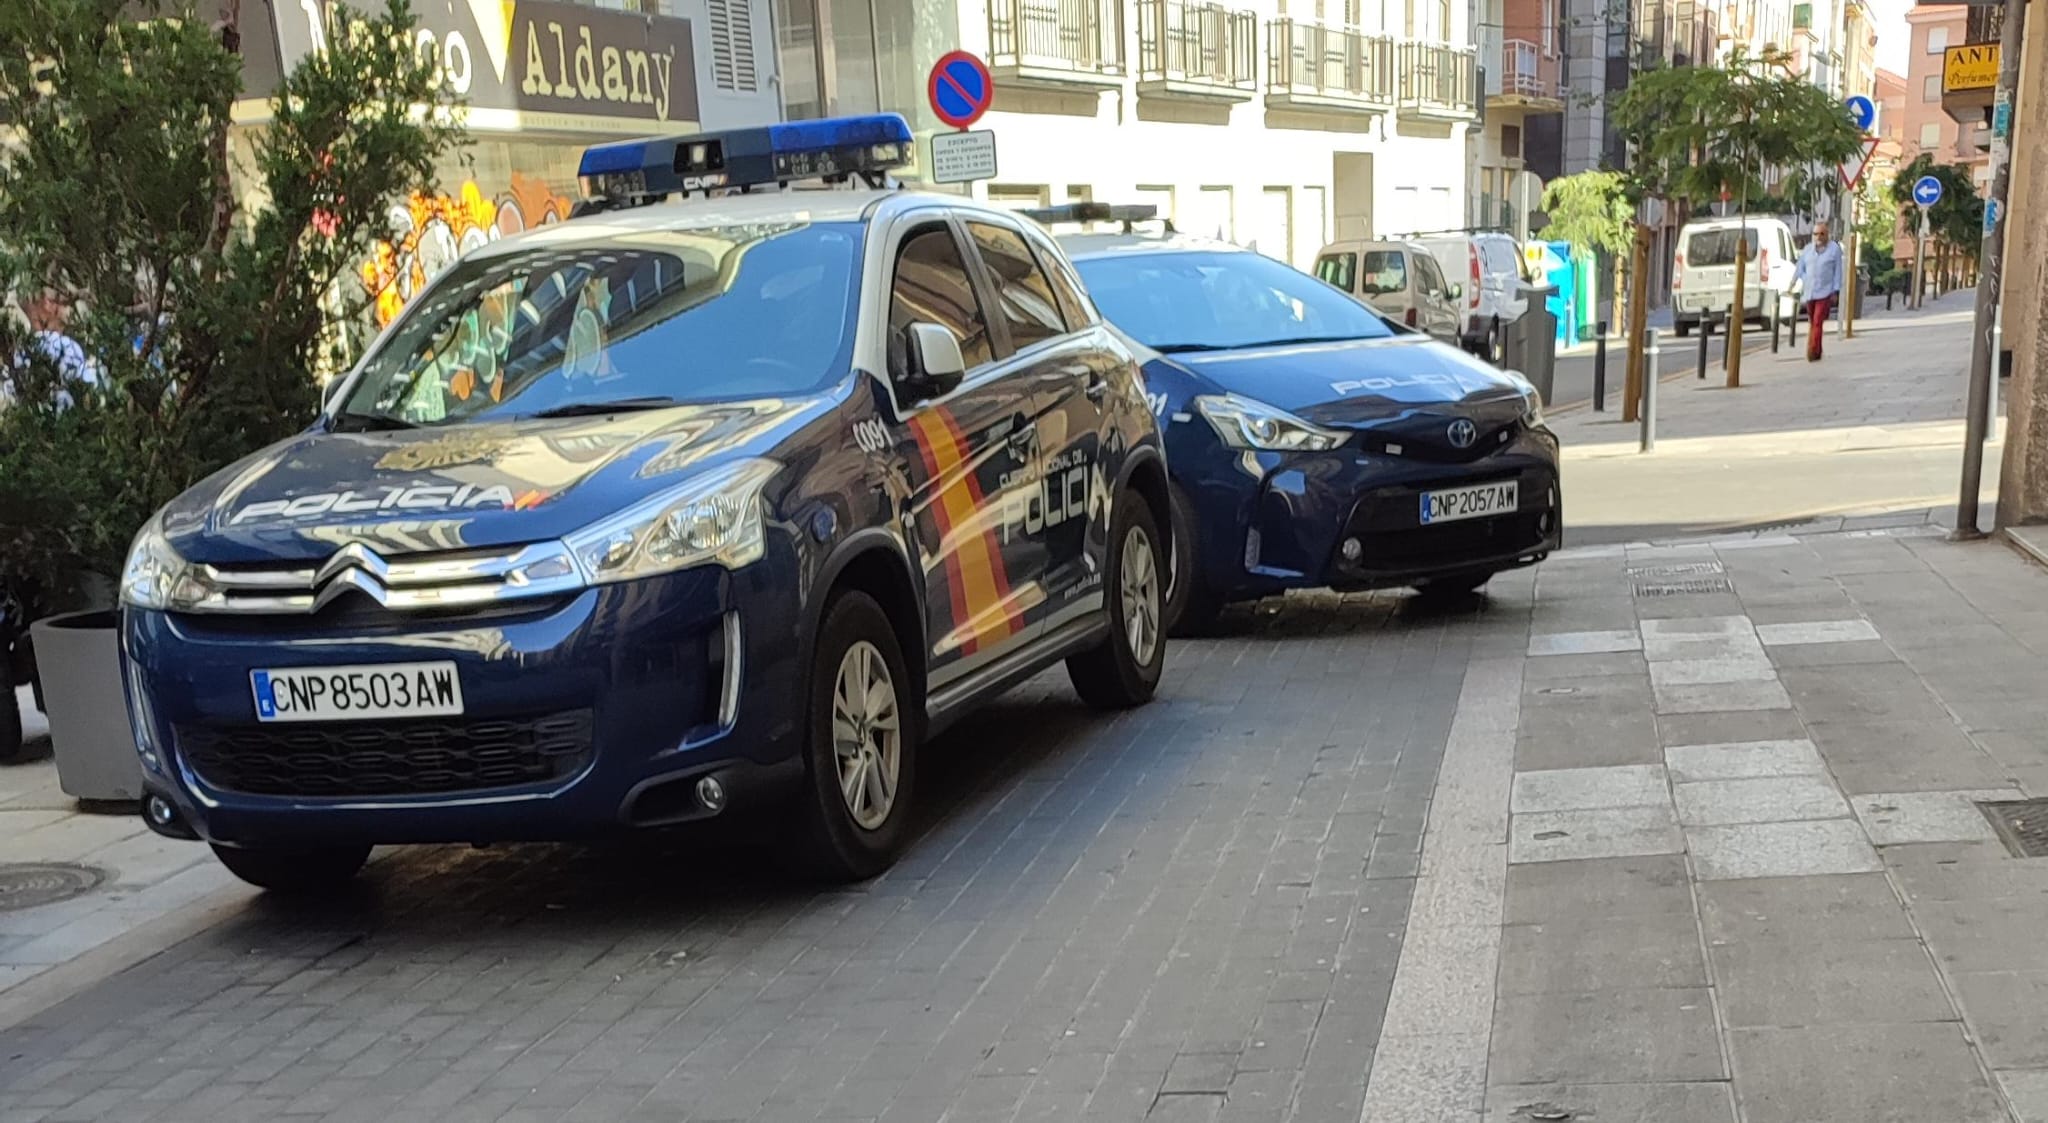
204,317
1589,210
1959,218
1750,127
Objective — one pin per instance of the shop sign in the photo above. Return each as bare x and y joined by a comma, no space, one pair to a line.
1974,67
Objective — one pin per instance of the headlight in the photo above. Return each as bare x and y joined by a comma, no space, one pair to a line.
156,577
715,517
1244,423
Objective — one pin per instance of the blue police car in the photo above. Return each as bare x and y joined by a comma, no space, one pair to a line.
661,513
1312,442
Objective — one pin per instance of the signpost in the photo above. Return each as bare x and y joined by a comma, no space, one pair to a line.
1863,111
960,91
1981,419
1926,193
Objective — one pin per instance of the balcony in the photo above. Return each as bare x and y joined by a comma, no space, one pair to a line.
1527,78
1197,52
1056,43
1438,82
1316,67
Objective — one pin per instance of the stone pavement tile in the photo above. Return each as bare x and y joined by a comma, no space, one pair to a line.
1823,909
1410,1077
1585,643
1764,799
2005,1011
1819,846
1902,817
1799,982
1984,934
1586,721
1851,654
1689,607
1743,760
2027,1089
1702,672
1581,789
1610,1036
1540,892
1816,631
1910,1073
1609,833
1561,668
1861,694
1704,1102
1832,604
1695,628
1722,697
1588,953
1581,613
1729,728
1965,871
1911,755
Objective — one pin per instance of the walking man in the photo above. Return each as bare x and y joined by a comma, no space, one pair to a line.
1821,268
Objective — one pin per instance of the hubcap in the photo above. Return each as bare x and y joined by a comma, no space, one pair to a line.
1139,587
867,737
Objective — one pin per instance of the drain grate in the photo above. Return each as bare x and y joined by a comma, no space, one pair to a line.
1695,587
1679,569
28,884
2022,824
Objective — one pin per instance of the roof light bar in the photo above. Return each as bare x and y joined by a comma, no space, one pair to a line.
1129,214
628,173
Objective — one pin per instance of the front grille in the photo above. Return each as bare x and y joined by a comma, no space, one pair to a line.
412,757
1385,522
1429,445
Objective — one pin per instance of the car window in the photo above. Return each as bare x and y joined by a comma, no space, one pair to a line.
702,314
1384,271
931,286
1712,247
1023,294
1219,300
1339,269
1074,303
1431,277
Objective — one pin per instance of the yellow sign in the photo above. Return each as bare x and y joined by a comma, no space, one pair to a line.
1970,68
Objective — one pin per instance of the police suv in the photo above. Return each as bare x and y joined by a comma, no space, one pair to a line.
661,513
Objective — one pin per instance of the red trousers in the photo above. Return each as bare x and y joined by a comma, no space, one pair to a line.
1817,313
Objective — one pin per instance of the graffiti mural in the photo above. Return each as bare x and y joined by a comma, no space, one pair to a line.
428,232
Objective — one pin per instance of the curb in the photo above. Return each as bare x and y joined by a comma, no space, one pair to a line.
132,948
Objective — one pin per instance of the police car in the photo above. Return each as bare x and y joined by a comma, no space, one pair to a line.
1314,443
661,513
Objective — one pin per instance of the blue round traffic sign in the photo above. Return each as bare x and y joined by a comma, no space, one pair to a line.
960,89
1862,110
1927,191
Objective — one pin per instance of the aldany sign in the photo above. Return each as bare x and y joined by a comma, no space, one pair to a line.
537,63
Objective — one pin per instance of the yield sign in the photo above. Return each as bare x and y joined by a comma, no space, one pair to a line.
1852,169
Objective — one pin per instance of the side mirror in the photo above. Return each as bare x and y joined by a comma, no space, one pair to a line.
1457,291
936,366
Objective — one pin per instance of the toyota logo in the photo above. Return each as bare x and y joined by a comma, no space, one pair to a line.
1462,433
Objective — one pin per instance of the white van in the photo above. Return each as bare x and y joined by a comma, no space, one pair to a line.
1703,271
1488,264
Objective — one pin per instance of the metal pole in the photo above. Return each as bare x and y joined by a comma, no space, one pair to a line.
1792,329
1650,353
1774,327
1992,264
1600,368
1706,334
1920,263
1852,286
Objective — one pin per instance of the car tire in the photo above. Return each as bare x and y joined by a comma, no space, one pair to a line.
294,872
1492,342
1452,585
856,798
1191,605
1682,327
10,716
1123,670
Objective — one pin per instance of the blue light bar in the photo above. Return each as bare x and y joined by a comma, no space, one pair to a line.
641,171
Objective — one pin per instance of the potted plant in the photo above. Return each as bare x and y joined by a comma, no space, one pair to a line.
162,326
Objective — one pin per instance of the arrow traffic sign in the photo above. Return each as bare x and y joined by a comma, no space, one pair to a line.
960,89
1927,191
1851,170
1862,110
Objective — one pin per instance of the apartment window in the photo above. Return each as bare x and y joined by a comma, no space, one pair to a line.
1937,40
1930,136
1931,89
828,57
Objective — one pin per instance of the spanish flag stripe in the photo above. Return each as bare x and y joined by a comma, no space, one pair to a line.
969,544
956,585
1012,620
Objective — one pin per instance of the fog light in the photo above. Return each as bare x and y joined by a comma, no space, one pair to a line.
711,794
1543,524
160,811
1352,549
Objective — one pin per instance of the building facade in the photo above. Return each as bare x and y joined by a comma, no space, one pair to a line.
1521,49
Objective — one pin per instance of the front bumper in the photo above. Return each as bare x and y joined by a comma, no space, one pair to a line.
1286,529
592,713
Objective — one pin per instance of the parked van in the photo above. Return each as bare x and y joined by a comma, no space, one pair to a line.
1400,279
1489,265
1703,272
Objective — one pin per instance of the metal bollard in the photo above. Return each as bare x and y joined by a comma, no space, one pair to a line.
1774,327
1650,353
1600,367
1792,329
1706,336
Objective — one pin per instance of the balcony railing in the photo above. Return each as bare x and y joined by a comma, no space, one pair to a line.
1312,65
1058,42
1526,73
1437,80
1197,50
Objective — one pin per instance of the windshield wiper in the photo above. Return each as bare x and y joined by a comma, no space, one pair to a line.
370,423
615,405
1181,348
1300,339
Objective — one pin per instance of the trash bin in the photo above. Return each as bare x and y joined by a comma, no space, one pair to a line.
1529,344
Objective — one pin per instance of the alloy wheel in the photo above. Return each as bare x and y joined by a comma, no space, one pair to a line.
867,738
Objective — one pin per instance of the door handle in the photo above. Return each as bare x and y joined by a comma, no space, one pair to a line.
1097,387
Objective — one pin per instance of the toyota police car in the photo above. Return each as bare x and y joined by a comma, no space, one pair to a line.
1314,443
660,513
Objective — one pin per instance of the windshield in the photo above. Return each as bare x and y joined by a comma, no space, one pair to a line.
1218,301
1715,247
715,313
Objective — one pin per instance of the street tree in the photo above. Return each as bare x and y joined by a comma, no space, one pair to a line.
1956,222
1590,211
1748,131
201,312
